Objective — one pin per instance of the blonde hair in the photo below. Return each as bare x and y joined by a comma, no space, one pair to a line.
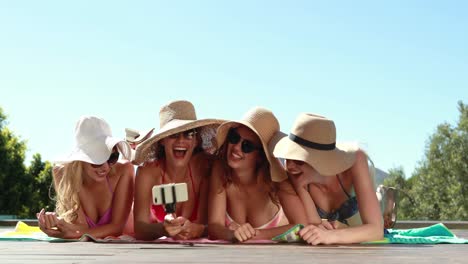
68,180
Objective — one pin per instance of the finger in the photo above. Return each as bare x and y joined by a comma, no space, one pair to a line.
238,236
306,229
315,240
306,236
250,231
47,221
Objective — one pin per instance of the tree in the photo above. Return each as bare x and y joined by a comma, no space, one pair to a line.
40,174
13,178
439,184
24,190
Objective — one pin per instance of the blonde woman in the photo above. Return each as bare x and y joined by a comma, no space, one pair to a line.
94,190
174,155
329,188
243,203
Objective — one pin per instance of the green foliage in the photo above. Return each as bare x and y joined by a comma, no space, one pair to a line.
439,184
41,174
24,190
13,177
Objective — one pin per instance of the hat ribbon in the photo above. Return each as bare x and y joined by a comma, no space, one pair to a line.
310,144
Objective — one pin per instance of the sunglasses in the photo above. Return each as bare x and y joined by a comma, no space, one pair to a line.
189,134
247,146
113,158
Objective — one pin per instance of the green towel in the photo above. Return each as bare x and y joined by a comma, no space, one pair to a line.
434,234
290,236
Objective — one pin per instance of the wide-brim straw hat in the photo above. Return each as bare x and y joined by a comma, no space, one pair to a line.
265,125
175,117
313,140
135,136
94,142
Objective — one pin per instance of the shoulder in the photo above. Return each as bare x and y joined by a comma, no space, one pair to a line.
149,169
360,167
285,187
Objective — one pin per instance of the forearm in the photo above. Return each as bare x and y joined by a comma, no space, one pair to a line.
217,231
149,231
358,234
111,229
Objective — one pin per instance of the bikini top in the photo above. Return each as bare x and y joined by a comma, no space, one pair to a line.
274,222
106,218
347,210
158,210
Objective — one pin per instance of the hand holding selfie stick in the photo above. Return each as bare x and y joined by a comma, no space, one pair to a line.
169,195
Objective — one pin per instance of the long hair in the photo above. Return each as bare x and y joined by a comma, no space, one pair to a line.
68,181
262,169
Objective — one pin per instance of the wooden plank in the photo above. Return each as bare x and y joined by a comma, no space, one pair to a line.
88,252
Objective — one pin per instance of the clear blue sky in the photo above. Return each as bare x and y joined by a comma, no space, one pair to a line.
386,73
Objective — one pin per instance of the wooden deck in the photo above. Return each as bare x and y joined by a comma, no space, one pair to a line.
88,252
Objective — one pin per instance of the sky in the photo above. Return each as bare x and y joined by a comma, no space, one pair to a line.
386,72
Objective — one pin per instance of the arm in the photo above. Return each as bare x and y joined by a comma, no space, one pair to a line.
297,203
217,206
372,227
144,228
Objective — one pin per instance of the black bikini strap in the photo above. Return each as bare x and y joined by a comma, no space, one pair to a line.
342,187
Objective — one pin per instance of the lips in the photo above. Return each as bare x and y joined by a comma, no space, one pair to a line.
179,152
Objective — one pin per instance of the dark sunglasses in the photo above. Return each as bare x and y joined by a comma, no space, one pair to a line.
113,158
247,146
189,134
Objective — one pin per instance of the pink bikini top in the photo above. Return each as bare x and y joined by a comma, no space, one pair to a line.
274,222
106,218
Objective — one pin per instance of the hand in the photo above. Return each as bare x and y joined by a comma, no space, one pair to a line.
47,220
327,225
190,231
301,180
174,226
245,232
315,235
55,226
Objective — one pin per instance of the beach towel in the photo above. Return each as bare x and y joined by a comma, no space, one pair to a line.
434,234
24,232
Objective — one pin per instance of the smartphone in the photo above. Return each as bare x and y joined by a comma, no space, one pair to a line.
170,193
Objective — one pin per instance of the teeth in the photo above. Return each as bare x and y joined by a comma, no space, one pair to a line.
180,149
236,156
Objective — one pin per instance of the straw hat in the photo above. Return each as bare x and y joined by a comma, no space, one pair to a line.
175,117
135,136
313,140
266,126
94,142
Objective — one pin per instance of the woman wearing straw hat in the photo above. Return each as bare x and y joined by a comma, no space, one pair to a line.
174,155
243,204
94,190
328,181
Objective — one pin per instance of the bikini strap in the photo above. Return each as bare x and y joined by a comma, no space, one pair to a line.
342,187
